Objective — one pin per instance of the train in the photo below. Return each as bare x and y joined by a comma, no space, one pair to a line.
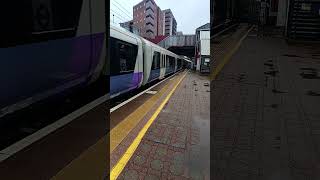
136,62
51,49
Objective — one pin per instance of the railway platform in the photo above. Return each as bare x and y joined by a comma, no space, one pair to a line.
164,132
265,116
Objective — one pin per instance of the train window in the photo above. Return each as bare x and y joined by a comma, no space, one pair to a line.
38,20
156,61
123,57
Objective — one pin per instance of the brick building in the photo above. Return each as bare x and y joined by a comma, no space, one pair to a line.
170,24
148,17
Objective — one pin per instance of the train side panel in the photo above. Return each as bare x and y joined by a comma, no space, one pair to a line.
126,62
99,40
44,58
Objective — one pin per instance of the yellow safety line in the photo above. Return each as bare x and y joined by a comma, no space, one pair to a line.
91,164
226,59
121,131
132,148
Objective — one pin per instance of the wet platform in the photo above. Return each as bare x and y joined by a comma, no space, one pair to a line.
265,111
164,133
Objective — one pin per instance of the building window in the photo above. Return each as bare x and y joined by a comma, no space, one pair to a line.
149,15
149,23
150,9
150,1
150,31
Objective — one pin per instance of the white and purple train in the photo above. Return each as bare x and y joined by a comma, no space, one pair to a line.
135,62
49,47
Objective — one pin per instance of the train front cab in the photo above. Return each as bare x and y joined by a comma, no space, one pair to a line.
126,62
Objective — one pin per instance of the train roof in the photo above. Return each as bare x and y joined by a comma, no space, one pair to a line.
128,33
123,34
157,46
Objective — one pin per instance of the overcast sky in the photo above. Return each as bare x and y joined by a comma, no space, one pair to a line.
190,14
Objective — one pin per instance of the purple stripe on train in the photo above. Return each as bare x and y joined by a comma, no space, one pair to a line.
123,83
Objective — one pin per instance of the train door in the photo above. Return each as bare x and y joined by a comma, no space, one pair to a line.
163,66
176,64
147,63
139,75
124,66
154,66
45,49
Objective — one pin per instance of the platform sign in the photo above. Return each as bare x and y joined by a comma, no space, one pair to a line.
42,15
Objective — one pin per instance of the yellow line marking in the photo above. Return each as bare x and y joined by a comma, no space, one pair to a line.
226,59
132,148
121,131
91,164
